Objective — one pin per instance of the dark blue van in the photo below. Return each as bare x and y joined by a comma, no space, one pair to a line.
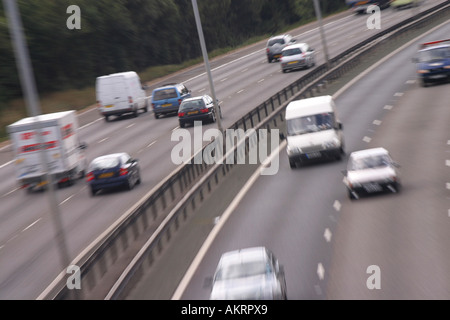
167,98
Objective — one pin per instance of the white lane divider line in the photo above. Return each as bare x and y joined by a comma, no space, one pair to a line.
67,199
388,107
367,139
6,194
240,91
262,80
337,205
31,225
103,140
5,164
129,126
398,94
320,271
150,144
377,122
327,235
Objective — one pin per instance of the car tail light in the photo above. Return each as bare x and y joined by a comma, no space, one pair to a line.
123,171
204,110
153,105
267,49
130,99
181,114
90,176
179,101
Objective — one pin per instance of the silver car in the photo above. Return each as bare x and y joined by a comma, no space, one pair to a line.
276,44
371,171
249,274
297,56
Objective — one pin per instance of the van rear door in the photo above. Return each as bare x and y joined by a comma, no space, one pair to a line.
112,93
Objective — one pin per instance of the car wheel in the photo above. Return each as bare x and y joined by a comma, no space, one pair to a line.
138,181
182,124
284,70
107,118
156,115
424,83
135,113
93,191
213,117
292,164
351,196
269,59
129,185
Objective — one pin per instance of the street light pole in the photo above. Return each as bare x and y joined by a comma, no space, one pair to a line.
33,107
322,34
208,69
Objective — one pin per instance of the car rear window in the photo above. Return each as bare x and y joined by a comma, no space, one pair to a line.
291,52
242,270
104,163
165,94
194,104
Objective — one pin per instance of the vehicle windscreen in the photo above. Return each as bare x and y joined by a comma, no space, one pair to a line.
242,270
192,105
437,54
104,163
292,52
274,41
369,163
165,94
312,123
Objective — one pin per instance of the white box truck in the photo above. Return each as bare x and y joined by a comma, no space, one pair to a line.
120,93
64,153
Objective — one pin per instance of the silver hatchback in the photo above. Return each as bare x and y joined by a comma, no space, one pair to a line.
249,274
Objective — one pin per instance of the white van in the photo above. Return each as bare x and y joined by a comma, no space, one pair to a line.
120,93
314,131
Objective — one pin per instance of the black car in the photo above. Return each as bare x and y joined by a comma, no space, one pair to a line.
199,108
112,171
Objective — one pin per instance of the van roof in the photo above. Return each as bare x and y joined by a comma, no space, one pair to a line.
304,107
127,74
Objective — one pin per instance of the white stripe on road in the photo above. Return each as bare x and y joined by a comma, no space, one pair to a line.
31,225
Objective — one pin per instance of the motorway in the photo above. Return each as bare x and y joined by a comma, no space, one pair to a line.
328,243
30,247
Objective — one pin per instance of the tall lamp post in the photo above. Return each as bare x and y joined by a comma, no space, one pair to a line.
33,108
208,69
322,34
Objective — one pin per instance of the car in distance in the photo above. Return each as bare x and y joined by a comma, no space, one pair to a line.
112,171
297,56
249,274
276,44
199,108
433,62
167,98
403,4
371,171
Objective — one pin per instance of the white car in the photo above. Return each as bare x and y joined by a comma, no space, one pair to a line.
297,56
249,274
371,171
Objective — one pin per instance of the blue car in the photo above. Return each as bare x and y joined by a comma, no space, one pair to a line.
113,171
167,98
433,62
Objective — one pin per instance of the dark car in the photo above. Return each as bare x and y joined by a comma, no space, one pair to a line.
167,98
113,171
199,108
433,62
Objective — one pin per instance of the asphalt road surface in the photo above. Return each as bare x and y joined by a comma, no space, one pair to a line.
30,244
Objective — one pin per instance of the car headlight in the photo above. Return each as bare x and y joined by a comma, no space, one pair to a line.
423,71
